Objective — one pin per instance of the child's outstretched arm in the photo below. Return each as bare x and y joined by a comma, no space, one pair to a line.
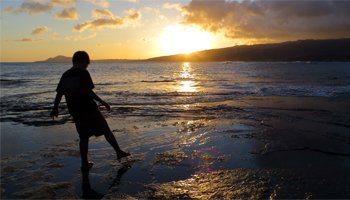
97,98
54,112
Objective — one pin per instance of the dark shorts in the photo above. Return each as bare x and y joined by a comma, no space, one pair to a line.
90,123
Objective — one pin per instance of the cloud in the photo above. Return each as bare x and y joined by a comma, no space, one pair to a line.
175,6
133,1
68,14
65,3
30,7
97,13
38,7
272,19
102,3
133,15
40,30
28,40
110,22
150,10
9,9
99,24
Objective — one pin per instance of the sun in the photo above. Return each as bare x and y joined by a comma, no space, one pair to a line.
178,39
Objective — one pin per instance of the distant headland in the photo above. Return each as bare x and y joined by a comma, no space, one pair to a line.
63,59
301,50
58,59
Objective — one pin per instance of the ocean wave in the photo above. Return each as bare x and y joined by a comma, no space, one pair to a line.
175,94
112,83
33,108
158,81
29,95
303,90
13,82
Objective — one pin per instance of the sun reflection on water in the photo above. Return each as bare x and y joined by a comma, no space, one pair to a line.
186,70
187,84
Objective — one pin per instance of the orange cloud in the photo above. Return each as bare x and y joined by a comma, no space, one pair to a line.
278,20
110,22
101,13
99,24
28,40
175,6
30,7
66,3
40,30
133,15
133,1
102,3
38,7
9,9
68,14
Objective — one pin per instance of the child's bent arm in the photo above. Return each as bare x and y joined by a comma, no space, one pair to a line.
54,112
97,98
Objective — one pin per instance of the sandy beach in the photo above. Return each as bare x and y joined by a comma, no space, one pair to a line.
258,147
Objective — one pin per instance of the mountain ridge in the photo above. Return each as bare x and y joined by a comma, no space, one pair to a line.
66,59
300,50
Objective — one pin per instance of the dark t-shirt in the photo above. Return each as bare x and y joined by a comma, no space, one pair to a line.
74,85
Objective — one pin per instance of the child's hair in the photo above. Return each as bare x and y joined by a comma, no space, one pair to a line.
81,56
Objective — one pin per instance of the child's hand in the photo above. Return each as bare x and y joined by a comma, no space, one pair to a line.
105,104
54,113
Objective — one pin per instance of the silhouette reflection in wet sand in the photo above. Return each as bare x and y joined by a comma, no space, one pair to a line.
89,193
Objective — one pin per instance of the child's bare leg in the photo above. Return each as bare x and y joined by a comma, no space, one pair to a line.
84,146
113,142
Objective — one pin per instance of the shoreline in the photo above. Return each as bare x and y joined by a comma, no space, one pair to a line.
256,141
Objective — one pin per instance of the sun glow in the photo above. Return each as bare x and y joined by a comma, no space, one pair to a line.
181,39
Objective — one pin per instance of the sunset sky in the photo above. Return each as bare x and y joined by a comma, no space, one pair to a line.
34,30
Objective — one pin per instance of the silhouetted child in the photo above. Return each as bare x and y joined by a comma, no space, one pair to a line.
77,87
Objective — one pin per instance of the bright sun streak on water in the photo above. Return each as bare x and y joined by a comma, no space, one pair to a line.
181,39
187,85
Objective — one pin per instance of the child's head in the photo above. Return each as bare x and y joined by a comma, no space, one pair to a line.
81,57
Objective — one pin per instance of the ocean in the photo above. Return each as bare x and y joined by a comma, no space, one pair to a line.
167,89
182,121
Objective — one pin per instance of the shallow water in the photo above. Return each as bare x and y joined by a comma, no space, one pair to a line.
255,124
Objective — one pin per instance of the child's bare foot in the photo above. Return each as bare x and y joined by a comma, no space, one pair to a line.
121,154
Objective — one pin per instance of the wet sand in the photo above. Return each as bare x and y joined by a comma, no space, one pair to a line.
253,147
